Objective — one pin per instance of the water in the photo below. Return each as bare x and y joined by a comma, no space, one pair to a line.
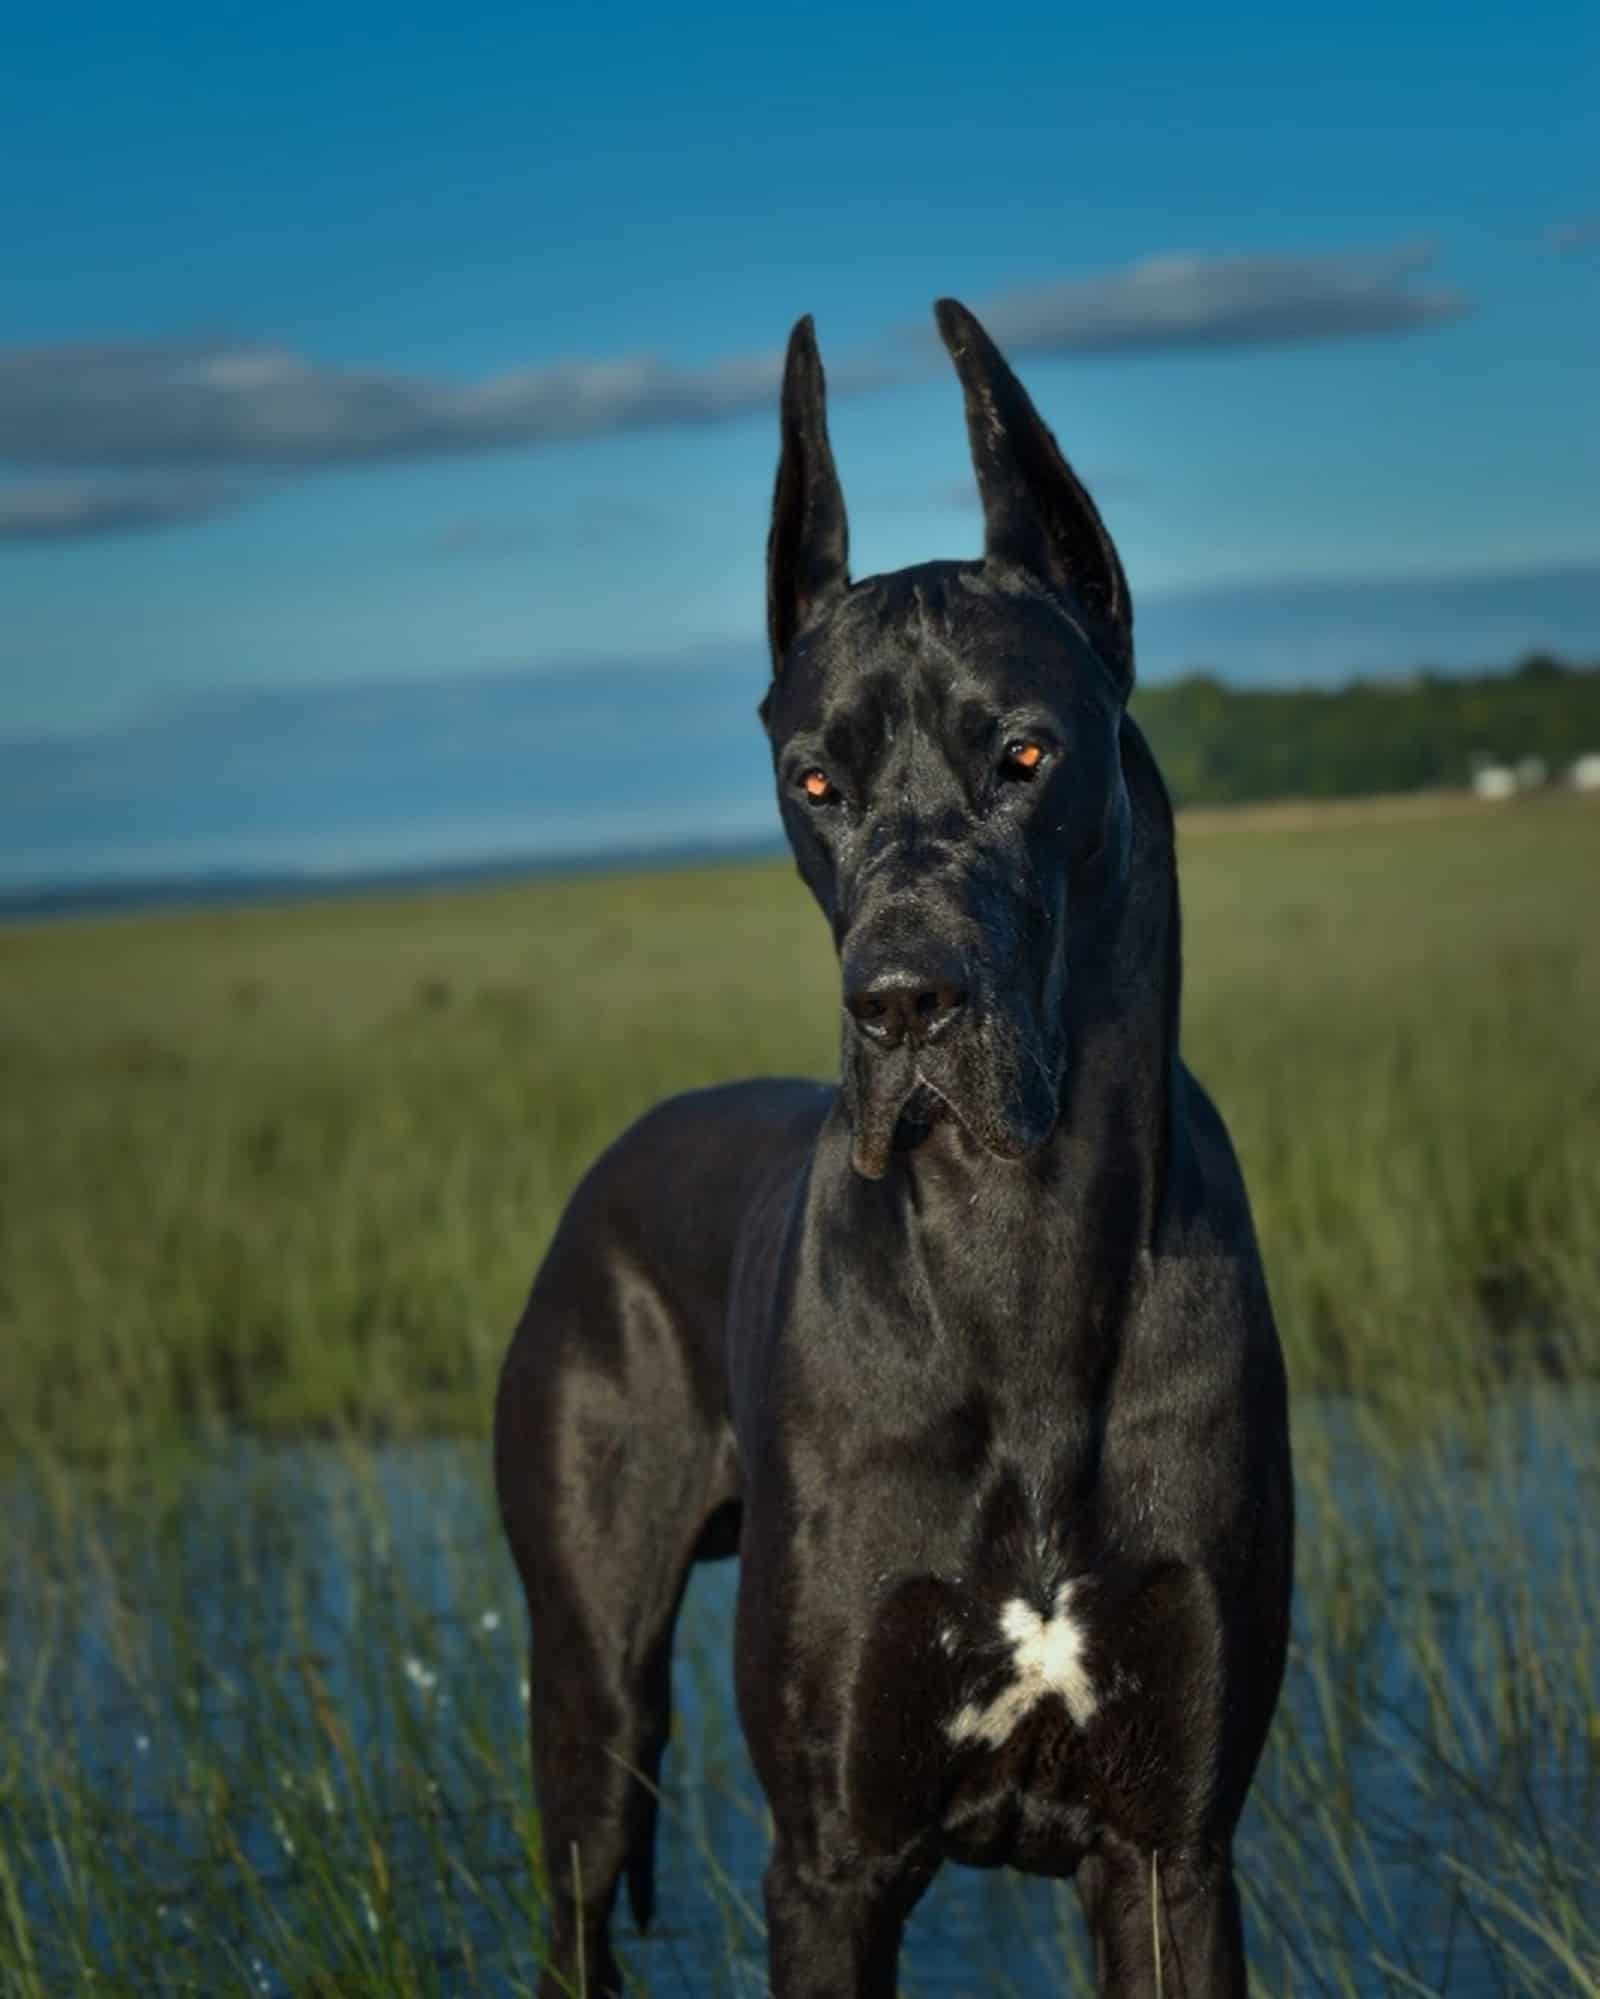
268,1714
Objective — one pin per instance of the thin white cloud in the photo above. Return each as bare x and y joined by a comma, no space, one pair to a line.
169,403
1193,301
176,414
76,509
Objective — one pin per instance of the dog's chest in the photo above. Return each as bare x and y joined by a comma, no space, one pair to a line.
1029,1672
977,1708
1031,1658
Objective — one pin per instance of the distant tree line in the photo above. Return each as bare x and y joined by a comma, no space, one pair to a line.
1222,745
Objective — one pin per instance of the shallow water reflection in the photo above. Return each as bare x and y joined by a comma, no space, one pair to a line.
265,1724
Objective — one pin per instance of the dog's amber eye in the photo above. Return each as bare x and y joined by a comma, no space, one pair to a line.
1022,758
817,788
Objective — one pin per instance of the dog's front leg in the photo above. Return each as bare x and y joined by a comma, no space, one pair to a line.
834,1928
1163,1922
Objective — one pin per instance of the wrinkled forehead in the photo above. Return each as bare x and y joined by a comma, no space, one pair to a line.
925,646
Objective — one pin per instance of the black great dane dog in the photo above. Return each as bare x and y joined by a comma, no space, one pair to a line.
971,1358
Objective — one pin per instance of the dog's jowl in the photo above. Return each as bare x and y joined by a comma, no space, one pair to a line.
970,1358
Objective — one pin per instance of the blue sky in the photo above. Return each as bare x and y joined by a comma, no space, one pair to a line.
347,348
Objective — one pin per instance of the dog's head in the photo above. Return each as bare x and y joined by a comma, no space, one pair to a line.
946,742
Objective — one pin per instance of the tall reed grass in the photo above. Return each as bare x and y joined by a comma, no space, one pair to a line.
292,1167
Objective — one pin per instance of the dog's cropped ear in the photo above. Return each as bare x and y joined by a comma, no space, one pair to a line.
808,549
1037,515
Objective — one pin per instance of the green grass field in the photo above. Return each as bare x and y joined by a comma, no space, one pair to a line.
293,1166
288,1170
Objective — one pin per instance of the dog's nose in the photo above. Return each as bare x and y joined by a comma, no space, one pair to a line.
897,1003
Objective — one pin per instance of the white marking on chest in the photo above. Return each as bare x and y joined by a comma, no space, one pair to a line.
1047,1657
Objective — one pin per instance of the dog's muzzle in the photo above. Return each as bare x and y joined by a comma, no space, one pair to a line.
920,1033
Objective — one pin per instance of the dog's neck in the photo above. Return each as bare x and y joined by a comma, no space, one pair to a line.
1116,1113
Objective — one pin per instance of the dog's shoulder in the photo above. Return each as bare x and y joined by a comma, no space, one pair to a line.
1201,1358
1207,1208
1206,1298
